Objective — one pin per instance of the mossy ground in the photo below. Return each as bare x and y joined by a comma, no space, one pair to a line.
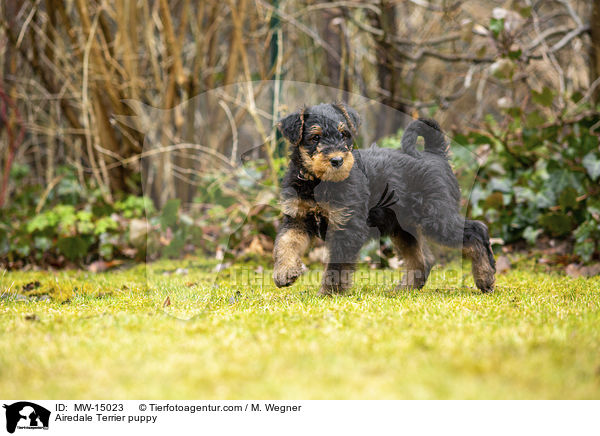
107,335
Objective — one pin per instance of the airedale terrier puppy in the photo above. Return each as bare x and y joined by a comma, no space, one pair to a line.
346,196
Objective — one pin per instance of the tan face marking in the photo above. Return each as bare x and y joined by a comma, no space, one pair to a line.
319,164
315,130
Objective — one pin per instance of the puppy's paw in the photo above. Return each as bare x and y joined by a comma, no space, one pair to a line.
286,275
486,285
327,291
412,280
484,275
408,287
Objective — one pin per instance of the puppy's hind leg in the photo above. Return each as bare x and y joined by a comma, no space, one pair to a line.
452,231
416,256
476,246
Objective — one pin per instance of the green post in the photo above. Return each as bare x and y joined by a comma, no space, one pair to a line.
275,26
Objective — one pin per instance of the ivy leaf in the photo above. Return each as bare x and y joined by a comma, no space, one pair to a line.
544,98
568,198
73,247
592,165
534,119
502,185
585,250
530,234
557,224
42,243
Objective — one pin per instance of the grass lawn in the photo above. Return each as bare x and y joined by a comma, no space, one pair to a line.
76,334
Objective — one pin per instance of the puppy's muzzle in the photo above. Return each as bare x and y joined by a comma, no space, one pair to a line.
336,162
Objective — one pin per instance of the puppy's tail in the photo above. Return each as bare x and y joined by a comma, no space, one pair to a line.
435,141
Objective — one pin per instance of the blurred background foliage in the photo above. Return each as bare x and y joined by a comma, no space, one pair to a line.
516,83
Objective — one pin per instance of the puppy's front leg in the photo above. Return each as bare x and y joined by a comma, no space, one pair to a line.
343,252
290,244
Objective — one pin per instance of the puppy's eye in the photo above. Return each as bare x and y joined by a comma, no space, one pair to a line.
315,138
346,134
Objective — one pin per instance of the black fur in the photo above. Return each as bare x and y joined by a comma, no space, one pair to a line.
409,195
431,132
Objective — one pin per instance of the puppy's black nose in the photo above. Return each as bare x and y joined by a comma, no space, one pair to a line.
336,161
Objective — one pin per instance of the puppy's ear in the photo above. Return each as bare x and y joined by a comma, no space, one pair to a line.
291,127
350,113
354,116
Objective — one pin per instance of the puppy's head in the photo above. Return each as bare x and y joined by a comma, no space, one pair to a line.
322,137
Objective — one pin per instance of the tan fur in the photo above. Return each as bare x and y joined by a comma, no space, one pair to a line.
347,117
342,127
415,261
315,130
319,164
299,208
288,251
483,273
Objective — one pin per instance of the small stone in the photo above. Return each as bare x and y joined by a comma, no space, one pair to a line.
503,264
573,270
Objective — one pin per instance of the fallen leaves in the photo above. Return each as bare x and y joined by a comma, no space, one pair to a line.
574,270
101,265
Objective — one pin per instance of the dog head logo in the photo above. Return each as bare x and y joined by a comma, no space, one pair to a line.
26,415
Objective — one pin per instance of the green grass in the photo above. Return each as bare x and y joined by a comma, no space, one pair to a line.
107,335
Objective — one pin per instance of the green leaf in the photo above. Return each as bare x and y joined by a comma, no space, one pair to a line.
168,217
175,248
502,185
515,54
585,249
593,205
106,251
40,222
496,26
73,247
534,119
530,234
591,162
42,243
557,224
84,215
105,224
568,198
544,98
494,201
524,11
576,96
85,227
